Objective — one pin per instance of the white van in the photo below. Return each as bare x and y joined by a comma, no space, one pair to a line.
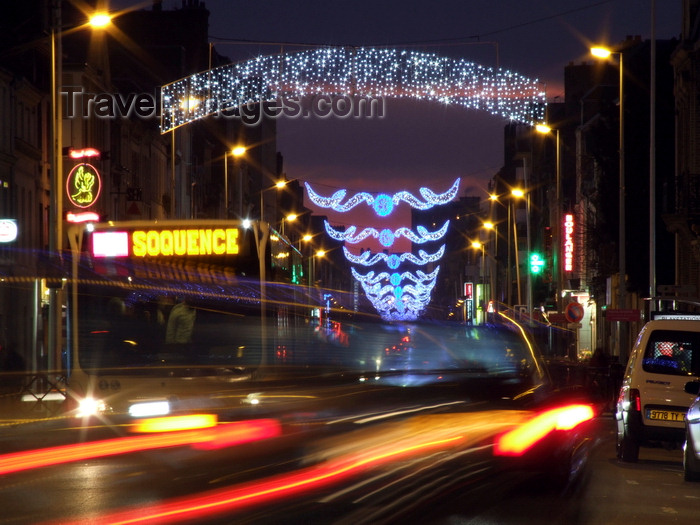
652,404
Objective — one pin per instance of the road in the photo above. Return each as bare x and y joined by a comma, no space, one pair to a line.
651,491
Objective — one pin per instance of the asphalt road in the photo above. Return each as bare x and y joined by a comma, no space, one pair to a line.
651,491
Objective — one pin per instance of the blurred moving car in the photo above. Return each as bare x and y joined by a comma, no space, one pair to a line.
331,433
691,446
272,405
652,403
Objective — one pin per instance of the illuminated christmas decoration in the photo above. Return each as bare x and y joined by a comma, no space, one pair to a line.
371,72
395,294
393,260
394,301
383,204
386,237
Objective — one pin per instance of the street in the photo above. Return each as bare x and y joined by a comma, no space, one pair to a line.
651,491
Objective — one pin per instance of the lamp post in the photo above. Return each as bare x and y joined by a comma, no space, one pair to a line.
277,186
289,218
478,245
557,259
97,21
602,52
491,227
496,289
238,151
517,193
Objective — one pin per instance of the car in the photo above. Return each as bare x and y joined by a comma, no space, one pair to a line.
691,446
335,429
652,402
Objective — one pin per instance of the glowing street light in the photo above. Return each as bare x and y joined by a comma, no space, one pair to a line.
236,151
100,20
516,193
602,52
56,201
545,129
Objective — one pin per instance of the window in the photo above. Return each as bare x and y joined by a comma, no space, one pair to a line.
673,352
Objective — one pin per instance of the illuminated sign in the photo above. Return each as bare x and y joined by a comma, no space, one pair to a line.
86,216
469,290
166,243
8,230
568,242
82,153
110,244
83,185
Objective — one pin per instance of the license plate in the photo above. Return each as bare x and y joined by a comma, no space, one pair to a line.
665,415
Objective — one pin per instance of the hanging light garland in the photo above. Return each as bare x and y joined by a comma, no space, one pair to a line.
372,72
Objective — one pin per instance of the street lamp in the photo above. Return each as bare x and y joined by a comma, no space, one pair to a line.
98,20
477,245
491,227
602,52
516,193
288,218
557,259
238,151
276,186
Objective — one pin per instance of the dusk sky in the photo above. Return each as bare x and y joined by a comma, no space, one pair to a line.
421,143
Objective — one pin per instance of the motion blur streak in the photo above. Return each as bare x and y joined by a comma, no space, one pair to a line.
520,439
273,488
228,434
175,423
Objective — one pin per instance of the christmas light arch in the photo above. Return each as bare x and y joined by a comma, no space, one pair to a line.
366,71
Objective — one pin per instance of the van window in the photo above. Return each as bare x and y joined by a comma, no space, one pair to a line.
672,352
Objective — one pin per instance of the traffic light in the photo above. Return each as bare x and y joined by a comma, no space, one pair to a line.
536,263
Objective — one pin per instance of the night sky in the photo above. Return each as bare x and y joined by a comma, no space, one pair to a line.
422,143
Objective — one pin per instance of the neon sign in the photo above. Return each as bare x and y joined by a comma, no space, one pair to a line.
83,185
8,230
166,243
568,242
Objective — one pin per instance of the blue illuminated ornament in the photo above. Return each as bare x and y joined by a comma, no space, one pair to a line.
383,204
393,260
393,301
396,295
386,237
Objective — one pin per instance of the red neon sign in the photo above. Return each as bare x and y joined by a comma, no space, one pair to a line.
469,290
569,242
82,153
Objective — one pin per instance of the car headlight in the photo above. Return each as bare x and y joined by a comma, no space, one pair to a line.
149,409
89,406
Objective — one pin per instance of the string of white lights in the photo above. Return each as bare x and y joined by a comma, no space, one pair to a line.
371,72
